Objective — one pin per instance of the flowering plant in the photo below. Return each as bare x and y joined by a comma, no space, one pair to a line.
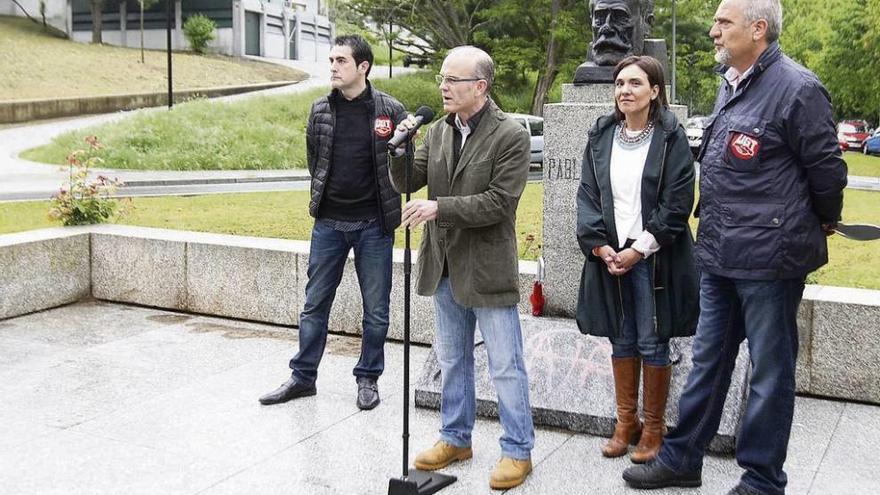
83,201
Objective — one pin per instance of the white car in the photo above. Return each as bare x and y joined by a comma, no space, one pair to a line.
694,131
535,126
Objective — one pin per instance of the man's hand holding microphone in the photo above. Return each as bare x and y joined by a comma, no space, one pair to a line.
416,211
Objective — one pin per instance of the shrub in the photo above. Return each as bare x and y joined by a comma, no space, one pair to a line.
85,202
414,90
199,31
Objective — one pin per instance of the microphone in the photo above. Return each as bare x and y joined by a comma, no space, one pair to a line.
423,114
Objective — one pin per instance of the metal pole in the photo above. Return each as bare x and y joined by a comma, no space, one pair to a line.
407,268
673,51
390,51
169,8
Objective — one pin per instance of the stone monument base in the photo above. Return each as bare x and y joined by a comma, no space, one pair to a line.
571,384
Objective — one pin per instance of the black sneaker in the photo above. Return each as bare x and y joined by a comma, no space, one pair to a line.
656,475
368,393
291,389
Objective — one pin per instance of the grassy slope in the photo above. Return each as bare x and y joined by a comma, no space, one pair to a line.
259,133
41,65
284,215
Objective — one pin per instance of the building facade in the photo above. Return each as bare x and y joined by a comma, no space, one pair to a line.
291,29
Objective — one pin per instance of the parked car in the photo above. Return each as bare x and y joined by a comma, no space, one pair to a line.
872,144
535,126
851,134
415,59
694,130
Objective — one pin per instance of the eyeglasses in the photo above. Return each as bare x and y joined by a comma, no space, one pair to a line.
440,78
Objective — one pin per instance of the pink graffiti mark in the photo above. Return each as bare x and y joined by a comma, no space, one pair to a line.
567,358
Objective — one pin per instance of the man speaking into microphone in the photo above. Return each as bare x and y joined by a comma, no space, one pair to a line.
475,163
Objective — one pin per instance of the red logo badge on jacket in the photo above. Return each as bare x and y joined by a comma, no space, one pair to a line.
743,146
383,126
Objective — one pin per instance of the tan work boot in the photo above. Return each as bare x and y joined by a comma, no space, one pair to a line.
441,455
626,392
656,390
509,473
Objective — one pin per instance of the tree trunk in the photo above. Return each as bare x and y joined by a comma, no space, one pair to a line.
547,75
96,22
542,89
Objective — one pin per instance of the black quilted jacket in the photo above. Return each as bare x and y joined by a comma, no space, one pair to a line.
387,112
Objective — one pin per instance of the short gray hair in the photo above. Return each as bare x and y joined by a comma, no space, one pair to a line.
484,67
769,10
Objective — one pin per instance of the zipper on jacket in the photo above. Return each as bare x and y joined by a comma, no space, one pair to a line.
374,111
621,314
654,264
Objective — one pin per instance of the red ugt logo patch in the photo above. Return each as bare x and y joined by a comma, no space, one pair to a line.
383,126
744,147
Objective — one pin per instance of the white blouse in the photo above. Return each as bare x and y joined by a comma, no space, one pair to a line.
627,166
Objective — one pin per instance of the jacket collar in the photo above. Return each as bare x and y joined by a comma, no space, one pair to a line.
368,94
472,122
488,123
770,56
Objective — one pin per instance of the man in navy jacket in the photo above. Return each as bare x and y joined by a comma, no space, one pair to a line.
771,190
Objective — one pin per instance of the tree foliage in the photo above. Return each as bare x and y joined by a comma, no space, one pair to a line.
538,39
538,44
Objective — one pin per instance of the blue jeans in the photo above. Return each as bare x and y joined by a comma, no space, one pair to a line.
764,313
454,346
639,336
327,257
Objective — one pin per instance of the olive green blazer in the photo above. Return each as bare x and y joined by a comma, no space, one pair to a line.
475,228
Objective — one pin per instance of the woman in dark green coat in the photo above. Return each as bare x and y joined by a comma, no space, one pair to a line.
639,286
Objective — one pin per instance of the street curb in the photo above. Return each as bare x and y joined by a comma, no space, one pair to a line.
221,180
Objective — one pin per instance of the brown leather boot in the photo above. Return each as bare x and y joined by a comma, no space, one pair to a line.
626,391
656,391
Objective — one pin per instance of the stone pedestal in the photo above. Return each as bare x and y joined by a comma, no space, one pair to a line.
565,138
571,385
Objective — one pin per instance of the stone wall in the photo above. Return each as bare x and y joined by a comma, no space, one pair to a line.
248,278
50,108
264,280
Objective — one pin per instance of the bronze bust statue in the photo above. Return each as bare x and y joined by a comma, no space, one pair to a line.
619,30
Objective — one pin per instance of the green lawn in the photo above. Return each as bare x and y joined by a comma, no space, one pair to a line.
38,64
861,164
285,215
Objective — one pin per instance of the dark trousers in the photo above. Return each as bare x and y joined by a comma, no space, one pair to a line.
764,313
327,256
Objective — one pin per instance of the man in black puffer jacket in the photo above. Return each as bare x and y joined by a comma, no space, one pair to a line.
355,207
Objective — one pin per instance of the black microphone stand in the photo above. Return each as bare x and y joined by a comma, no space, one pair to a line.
413,482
